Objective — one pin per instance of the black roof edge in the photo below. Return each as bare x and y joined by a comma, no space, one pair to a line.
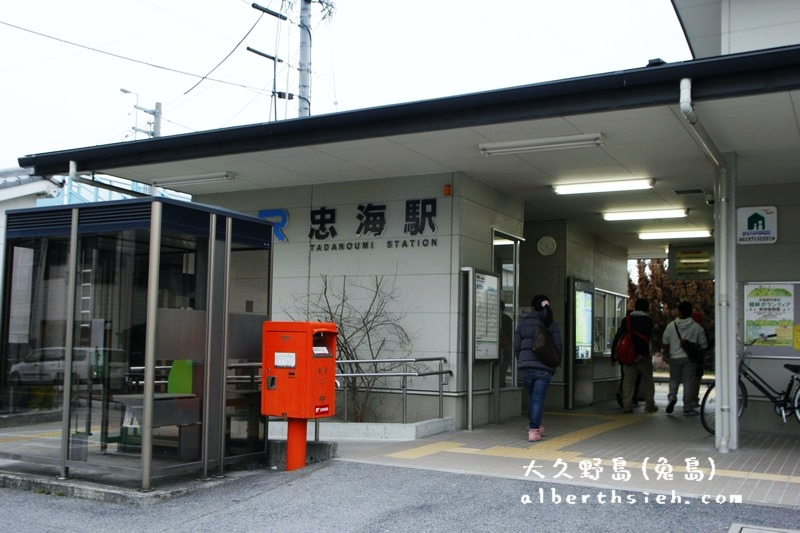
110,204
755,72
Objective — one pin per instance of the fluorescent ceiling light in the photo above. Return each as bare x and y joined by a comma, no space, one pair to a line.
691,234
542,145
645,215
195,180
604,186
694,261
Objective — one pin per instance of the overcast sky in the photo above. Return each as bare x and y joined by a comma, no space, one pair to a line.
64,62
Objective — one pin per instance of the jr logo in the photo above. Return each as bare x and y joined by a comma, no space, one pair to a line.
279,219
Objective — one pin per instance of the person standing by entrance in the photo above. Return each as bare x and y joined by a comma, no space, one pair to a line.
535,375
506,343
642,369
681,368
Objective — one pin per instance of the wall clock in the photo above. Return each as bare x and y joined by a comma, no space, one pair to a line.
546,245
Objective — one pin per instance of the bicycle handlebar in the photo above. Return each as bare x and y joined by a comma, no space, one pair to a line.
761,337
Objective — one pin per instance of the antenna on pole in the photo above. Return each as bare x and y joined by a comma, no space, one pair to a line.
275,60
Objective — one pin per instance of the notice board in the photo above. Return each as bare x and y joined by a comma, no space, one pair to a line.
483,314
770,308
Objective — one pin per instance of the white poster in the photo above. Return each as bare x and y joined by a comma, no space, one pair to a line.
769,309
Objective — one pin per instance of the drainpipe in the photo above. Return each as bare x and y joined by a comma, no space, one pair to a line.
725,351
696,128
725,275
686,101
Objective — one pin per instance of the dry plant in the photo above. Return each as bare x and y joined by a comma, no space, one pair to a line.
368,330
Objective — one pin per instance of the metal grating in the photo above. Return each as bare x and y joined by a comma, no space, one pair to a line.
33,220
691,190
118,213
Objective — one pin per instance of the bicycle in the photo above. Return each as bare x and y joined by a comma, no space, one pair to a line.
784,403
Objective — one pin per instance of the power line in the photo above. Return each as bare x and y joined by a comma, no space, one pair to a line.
227,56
117,56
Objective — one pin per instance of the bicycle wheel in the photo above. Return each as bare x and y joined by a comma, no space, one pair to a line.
742,398
708,408
796,403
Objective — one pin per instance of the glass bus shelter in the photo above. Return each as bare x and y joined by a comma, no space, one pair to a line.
131,337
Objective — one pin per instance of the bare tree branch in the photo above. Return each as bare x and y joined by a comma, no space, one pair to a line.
367,330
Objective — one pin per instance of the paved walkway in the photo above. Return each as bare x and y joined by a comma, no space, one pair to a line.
600,447
654,454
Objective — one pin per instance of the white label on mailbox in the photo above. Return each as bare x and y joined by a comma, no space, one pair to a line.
321,351
285,359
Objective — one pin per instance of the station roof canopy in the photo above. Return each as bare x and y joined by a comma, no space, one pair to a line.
748,104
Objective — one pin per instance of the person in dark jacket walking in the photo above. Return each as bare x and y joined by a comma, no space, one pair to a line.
535,375
643,367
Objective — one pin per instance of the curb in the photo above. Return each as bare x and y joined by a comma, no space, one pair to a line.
170,487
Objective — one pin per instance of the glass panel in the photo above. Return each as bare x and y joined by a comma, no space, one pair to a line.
32,366
600,330
505,264
612,320
110,299
621,311
106,414
180,349
248,308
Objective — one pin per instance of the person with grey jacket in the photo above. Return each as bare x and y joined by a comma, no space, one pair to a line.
681,368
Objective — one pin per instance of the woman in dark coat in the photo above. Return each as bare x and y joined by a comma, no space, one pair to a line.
535,374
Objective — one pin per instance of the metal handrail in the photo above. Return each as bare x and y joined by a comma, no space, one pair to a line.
405,374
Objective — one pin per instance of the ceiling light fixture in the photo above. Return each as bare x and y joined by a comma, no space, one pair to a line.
645,215
195,180
604,186
542,145
694,261
691,234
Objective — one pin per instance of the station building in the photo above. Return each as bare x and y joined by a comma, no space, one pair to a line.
450,206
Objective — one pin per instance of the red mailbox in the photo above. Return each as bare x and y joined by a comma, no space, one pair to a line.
298,378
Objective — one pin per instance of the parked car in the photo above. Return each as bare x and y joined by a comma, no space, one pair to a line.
46,366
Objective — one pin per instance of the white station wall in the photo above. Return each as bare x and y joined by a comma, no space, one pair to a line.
423,260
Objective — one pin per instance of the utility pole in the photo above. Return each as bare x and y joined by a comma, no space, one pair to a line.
304,96
304,89
155,126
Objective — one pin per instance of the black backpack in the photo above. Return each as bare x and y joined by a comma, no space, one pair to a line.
544,348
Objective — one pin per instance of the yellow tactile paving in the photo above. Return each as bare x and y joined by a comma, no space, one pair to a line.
27,436
582,434
428,449
534,452
553,449
550,448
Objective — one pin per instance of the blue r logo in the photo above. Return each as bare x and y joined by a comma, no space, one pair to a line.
279,217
